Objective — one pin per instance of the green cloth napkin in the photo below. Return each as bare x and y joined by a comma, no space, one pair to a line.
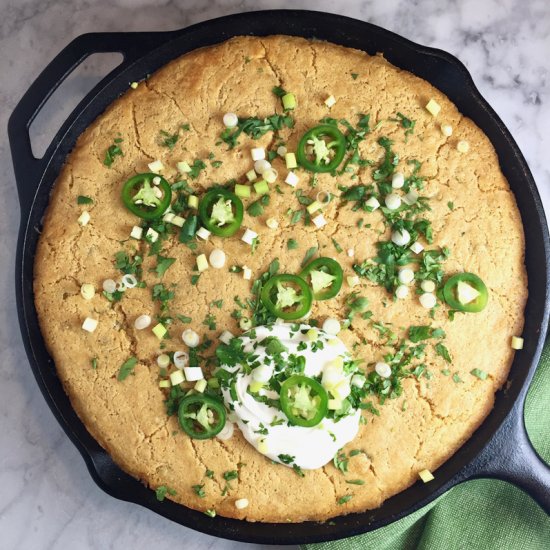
481,514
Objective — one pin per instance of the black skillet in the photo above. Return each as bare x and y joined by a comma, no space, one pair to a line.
499,448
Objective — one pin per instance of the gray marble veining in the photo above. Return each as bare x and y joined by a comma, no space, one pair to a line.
48,499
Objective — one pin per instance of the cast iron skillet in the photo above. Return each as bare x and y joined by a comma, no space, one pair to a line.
499,448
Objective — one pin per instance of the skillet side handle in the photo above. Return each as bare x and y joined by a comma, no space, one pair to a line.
510,457
28,169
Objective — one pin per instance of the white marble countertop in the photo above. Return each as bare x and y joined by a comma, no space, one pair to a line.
48,498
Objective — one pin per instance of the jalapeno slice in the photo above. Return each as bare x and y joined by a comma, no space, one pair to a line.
221,212
139,195
321,149
466,292
303,400
325,277
286,296
201,416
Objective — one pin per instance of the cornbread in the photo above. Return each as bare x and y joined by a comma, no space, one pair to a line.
471,209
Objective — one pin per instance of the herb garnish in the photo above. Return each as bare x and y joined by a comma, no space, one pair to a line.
112,152
126,368
82,199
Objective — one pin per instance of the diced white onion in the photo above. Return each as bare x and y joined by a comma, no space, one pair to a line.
89,324
262,374
351,252
319,221
156,166
142,322
398,180
392,201
84,218
281,150
292,179
272,223
352,280
152,234
332,326
426,476
247,273
226,337
383,369
447,130
372,203
168,217
178,221
230,120
358,380
330,101
433,107
416,247
181,358
200,385
176,377
428,300
137,232
192,374
203,233
190,338
202,263
258,153
249,236
217,258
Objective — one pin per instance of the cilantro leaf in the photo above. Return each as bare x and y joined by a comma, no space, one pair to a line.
126,368
163,264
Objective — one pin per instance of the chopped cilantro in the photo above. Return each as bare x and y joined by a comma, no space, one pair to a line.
442,351
199,490
256,208
168,140
309,254
292,244
126,368
162,491
82,199
112,152
337,246
163,264
255,128
344,499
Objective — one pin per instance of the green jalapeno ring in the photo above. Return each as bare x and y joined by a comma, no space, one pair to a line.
329,266
158,205
450,292
206,205
304,301
316,394
337,144
193,416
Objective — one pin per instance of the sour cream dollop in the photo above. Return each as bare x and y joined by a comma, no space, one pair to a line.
266,427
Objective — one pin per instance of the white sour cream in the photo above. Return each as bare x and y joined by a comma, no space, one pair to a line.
311,447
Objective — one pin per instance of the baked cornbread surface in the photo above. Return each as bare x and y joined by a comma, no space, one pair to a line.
473,213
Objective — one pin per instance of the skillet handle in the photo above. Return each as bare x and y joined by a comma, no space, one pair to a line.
510,456
29,169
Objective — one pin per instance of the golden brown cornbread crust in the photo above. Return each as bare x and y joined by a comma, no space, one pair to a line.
483,232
